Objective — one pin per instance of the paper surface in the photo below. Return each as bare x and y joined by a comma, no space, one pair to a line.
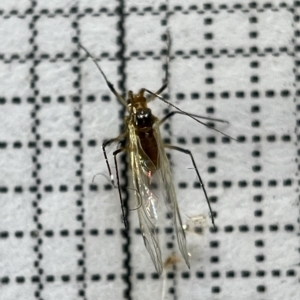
61,234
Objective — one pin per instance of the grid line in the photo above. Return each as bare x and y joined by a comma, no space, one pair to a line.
206,8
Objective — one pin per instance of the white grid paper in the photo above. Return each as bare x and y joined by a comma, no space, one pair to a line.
60,235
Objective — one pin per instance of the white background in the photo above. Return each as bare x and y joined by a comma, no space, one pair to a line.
54,233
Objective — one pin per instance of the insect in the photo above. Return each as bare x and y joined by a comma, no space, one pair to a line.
147,155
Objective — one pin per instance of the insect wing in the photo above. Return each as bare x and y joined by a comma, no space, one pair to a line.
170,195
146,200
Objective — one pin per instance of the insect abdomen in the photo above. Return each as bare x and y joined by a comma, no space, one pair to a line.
149,145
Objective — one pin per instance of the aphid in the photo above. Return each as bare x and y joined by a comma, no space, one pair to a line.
147,154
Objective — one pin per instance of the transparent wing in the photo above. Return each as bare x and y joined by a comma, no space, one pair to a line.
146,201
170,195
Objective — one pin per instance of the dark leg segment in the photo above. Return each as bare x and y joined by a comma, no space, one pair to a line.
115,153
165,81
104,145
198,175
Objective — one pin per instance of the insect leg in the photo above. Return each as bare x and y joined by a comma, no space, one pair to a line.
154,95
115,153
104,145
186,151
187,114
165,81
172,113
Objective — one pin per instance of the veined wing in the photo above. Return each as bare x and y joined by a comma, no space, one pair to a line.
145,200
170,195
